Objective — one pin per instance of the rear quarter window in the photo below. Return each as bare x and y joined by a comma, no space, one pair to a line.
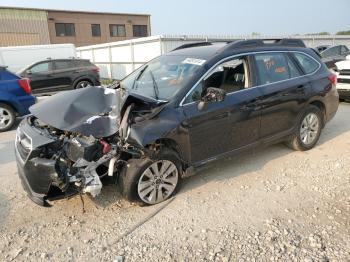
308,64
83,63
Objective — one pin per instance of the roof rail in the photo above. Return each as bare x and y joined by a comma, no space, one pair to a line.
192,45
266,42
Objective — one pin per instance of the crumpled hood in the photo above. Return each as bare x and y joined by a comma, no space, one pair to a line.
89,111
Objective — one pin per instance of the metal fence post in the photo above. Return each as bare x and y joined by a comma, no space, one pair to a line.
110,62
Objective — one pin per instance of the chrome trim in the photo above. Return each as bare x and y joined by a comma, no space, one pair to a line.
243,54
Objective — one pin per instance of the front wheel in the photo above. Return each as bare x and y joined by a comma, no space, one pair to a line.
308,130
151,181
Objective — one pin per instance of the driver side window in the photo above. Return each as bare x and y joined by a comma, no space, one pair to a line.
231,76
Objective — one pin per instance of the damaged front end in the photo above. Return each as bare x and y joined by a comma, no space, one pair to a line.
74,139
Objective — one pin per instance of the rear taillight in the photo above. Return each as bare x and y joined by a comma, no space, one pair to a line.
24,84
333,79
95,69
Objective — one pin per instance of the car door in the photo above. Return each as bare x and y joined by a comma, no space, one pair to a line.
64,71
222,126
284,92
40,76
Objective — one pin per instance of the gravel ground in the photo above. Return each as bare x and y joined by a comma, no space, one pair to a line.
272,204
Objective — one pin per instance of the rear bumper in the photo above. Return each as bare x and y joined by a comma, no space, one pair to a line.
24,102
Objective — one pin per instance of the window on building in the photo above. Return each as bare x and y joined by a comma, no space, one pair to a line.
117,30
65,29
95,30
140,30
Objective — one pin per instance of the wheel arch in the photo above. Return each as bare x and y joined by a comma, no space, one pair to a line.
320,105
14,108
172,144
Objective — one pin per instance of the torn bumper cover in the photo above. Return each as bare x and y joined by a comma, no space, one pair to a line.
42,178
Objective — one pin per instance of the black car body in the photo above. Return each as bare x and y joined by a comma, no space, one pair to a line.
54,75
321,48
334,54
180,111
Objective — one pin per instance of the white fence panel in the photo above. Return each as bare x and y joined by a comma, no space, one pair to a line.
147,51
119,59
121,54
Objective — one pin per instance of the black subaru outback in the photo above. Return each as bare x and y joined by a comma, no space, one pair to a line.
176,113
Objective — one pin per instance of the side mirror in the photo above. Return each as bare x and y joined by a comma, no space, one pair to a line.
28,72
212,94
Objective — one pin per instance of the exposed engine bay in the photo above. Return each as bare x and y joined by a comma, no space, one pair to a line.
80,140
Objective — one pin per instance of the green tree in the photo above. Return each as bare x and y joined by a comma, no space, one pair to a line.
343,32
320,33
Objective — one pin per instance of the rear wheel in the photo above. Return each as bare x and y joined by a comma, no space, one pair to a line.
151,181
308,131
83,84
7,117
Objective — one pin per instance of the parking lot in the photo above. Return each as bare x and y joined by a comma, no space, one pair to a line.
271,204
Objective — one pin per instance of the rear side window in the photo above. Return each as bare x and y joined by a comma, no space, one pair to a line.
332,51
60,65
308,64
82,63
274,67
344,49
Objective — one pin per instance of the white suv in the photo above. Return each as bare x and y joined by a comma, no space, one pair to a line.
343,72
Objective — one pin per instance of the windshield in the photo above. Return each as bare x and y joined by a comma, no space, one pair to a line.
163,77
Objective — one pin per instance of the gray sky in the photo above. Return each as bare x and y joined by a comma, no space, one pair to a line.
270,17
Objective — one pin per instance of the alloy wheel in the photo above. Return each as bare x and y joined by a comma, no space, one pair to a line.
83,84
158,182
309,128
5,118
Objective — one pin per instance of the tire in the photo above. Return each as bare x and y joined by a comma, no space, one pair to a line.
83,84
137,178
308,130
7,117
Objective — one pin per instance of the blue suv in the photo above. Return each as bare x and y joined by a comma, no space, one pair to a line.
15,98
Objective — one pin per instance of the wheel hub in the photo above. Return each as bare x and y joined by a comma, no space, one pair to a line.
309,128
158,182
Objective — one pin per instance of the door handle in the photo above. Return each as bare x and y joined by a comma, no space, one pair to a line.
253,104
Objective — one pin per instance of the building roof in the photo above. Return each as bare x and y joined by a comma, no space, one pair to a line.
69,11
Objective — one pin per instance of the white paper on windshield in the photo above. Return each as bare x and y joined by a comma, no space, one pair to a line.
194,61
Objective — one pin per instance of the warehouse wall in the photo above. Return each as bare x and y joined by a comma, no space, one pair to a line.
23,27
82,23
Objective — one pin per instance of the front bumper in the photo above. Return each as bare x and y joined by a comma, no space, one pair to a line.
37,174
